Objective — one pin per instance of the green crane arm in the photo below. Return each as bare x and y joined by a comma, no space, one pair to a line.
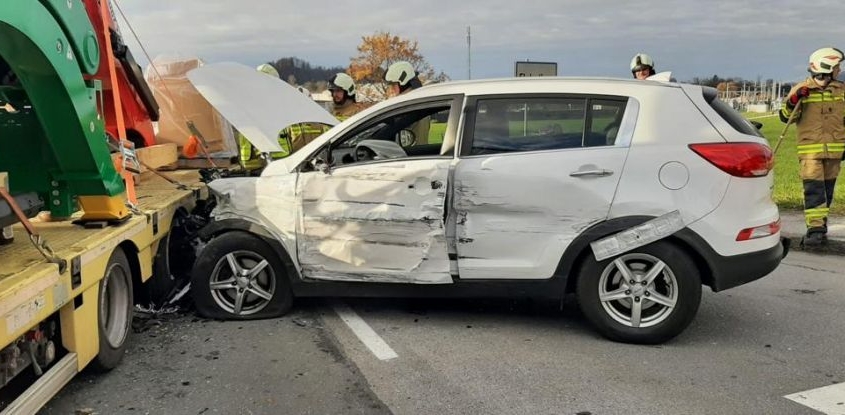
54,142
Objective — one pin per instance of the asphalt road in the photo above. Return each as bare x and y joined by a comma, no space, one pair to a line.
747,349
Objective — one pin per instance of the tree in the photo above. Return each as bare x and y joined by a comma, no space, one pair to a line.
377,52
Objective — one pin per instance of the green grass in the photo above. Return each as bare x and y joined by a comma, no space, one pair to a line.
788,192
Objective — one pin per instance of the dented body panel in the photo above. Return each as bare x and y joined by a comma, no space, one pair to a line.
380,222
517,213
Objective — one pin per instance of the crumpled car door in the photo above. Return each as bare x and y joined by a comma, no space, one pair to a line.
377,222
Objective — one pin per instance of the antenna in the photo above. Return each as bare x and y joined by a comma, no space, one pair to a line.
469,53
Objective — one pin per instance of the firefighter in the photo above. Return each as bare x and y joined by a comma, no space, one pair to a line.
642,66
343,91
401,77
817,106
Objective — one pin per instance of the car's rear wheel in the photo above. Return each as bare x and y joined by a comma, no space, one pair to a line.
238,276
647,295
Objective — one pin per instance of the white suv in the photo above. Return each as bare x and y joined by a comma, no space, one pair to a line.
629,194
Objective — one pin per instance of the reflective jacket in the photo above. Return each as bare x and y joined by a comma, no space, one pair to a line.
348,109
820,120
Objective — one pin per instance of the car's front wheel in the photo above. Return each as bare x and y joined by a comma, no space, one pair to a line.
238,276
647,295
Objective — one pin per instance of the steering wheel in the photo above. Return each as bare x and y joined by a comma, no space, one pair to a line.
362,153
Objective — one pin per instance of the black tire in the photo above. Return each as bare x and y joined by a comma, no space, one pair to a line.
163,283
264,290
170,273
115,305
667,304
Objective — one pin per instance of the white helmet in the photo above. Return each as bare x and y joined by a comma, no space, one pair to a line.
344,82
824,60
640,61
401,73
268,69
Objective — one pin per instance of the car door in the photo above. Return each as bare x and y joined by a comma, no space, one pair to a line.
534,172
377,213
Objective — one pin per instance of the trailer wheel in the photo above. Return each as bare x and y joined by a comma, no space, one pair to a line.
114,312
239,277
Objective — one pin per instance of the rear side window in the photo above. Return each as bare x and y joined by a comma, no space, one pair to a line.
504,125
730,115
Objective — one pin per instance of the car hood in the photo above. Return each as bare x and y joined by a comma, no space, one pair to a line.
258,105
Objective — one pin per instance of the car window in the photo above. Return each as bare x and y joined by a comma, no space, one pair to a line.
415,132
504,125
730,115
605,117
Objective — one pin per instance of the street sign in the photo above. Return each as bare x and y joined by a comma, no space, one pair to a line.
526,68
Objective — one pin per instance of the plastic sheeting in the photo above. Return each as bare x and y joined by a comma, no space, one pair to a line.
181,102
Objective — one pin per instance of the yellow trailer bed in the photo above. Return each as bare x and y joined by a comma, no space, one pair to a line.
33,290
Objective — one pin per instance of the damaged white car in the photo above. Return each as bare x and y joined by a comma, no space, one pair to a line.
629,194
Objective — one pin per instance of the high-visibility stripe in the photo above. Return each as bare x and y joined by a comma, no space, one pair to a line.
820,148
811,215
823,96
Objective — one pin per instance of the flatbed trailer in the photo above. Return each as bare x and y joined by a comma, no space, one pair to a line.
82,316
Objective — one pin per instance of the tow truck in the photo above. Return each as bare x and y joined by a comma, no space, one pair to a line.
70,279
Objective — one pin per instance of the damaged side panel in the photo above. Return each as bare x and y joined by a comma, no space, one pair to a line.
378,222
517,213
268,201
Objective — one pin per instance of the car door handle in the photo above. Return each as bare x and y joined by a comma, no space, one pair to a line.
596,172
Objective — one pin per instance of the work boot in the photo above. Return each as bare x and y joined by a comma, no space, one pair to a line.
813,239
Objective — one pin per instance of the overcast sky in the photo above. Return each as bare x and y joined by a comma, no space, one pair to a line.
749,38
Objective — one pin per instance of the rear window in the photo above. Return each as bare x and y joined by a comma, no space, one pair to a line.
730,115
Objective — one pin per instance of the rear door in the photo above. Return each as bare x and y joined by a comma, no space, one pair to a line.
533,173
377,215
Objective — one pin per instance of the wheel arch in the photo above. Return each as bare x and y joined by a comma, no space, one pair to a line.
219,227
131,251
575,253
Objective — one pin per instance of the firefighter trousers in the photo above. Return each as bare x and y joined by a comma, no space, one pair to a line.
819,178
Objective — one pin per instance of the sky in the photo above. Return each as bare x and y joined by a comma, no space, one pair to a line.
750,39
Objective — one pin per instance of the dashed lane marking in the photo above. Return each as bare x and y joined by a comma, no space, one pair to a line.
365,333
829,400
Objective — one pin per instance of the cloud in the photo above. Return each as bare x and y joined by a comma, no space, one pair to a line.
693,38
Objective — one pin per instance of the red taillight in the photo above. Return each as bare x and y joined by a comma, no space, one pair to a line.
737,159
759,231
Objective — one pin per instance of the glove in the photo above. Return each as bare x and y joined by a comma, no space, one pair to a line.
802,92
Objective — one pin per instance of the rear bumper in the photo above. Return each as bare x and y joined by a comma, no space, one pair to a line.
735,270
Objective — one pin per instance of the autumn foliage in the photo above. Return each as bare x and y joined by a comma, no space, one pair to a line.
378,51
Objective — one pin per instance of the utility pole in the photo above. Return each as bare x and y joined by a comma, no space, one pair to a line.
469,54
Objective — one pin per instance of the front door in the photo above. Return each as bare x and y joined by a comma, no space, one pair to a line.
377,214
533,174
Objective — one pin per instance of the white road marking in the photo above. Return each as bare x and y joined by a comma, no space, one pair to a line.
829,399
365,333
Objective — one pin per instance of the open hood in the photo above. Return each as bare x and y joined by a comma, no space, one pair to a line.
258,105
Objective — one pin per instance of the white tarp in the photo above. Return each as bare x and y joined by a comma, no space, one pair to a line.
258,105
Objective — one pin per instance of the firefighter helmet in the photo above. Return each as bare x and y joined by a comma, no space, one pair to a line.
343,82
401,73
268,69
825,60
642,61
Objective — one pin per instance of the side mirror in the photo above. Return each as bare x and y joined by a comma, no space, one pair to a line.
319,163
757,124
406,138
